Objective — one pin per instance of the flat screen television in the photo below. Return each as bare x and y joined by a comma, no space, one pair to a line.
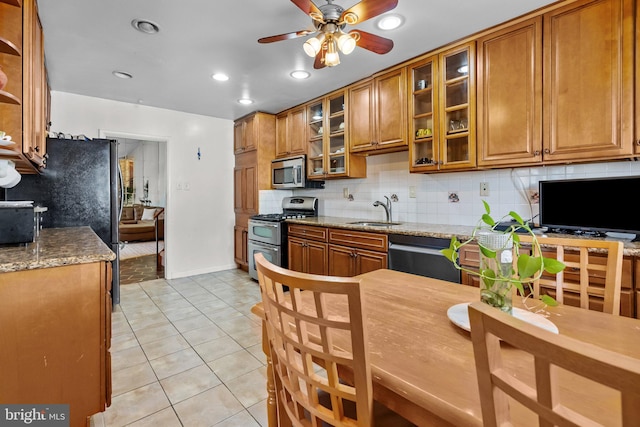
590,205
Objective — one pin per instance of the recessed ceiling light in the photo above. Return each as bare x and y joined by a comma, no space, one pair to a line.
245,101
390,22
122,75
220,77
145,26
300,74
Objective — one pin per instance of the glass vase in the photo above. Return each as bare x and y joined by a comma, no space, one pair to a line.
495,287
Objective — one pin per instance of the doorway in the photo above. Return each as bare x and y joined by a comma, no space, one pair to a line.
143,191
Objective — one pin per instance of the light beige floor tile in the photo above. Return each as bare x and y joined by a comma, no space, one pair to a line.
201,335
191,323
211,305
164,346
215,349
169,305
259,412
181,313
189,383
175,363
123,341
155,333
258,353
208,408
168,297
249,388
127,379
148,321
202,299
248,337
124,358
234,365
242,419
97,420
165,418
238,324
135,405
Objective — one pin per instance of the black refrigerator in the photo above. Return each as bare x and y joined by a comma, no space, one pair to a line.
79,186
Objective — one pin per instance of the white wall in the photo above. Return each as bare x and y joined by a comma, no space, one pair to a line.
199,222
388,174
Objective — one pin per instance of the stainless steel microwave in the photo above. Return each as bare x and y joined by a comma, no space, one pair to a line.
290,173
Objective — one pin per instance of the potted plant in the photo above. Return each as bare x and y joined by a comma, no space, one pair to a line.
498,249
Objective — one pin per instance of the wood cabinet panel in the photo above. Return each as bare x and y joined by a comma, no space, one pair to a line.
291,133
361,116
342,261
240,245
588,80
359,239
509,110
308,256
367,261
50,364
309,232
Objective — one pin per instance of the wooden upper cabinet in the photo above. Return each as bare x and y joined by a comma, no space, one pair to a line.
637,105
244,134
588,80
509,104
290,132
378,114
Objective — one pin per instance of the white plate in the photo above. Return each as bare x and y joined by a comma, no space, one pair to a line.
459,316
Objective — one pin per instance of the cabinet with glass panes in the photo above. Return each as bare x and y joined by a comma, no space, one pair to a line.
442,111
328,155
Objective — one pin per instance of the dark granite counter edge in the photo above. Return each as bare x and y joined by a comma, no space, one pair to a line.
56,247
462,232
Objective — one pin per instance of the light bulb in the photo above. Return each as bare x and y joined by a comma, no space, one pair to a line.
331,59
313,45
346,43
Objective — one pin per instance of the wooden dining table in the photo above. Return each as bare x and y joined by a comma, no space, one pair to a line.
423,365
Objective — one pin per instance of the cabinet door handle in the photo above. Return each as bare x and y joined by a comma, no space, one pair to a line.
536,153
547,151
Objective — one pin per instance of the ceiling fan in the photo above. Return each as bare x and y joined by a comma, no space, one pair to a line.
330,21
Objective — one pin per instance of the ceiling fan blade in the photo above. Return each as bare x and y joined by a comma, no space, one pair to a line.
307,6
368,9
319,63
373,42
286,36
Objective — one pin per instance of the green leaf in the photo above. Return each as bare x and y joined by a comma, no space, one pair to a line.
486,207
553,266
450,254
517,217
519,286
488,277
548,300
528,266
487,252
486,218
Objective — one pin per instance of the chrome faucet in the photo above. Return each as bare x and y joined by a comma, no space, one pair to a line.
386,206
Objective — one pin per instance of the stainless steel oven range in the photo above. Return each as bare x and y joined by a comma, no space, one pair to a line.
268,232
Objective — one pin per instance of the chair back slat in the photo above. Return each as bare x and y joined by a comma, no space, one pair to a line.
586,248
550,352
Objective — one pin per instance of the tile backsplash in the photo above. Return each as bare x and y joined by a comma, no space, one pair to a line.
441,198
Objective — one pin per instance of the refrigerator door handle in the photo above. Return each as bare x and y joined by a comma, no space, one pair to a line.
121,192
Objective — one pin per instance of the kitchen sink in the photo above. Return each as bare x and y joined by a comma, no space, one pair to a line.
374,223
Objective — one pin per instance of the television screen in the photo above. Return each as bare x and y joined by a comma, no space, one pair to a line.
598,204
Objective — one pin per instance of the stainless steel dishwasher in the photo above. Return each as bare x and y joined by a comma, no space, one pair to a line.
421,255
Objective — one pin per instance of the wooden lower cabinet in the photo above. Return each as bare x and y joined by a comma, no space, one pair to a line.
307,256
240,242
55,338
346,261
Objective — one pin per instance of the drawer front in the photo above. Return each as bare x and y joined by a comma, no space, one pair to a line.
359,239
470,256
309,232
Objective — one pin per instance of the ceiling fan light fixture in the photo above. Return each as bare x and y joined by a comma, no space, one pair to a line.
313,45
331,58
346,43
245,101
390,22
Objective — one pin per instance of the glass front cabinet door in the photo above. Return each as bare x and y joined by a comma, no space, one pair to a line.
442,111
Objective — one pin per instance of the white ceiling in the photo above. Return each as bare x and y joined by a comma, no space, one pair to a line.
85,40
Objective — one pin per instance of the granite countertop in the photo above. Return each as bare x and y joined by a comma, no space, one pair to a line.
463,232
56,247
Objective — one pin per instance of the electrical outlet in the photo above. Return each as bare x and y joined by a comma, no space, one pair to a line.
179,186
345,192
412,192
484,189
187,186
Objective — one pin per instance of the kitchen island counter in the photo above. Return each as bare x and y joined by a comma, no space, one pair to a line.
56,247
443,231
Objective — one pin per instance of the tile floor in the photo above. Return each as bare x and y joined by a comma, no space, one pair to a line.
187,352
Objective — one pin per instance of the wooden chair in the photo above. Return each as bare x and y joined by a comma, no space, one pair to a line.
307,363
610,271
550,352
